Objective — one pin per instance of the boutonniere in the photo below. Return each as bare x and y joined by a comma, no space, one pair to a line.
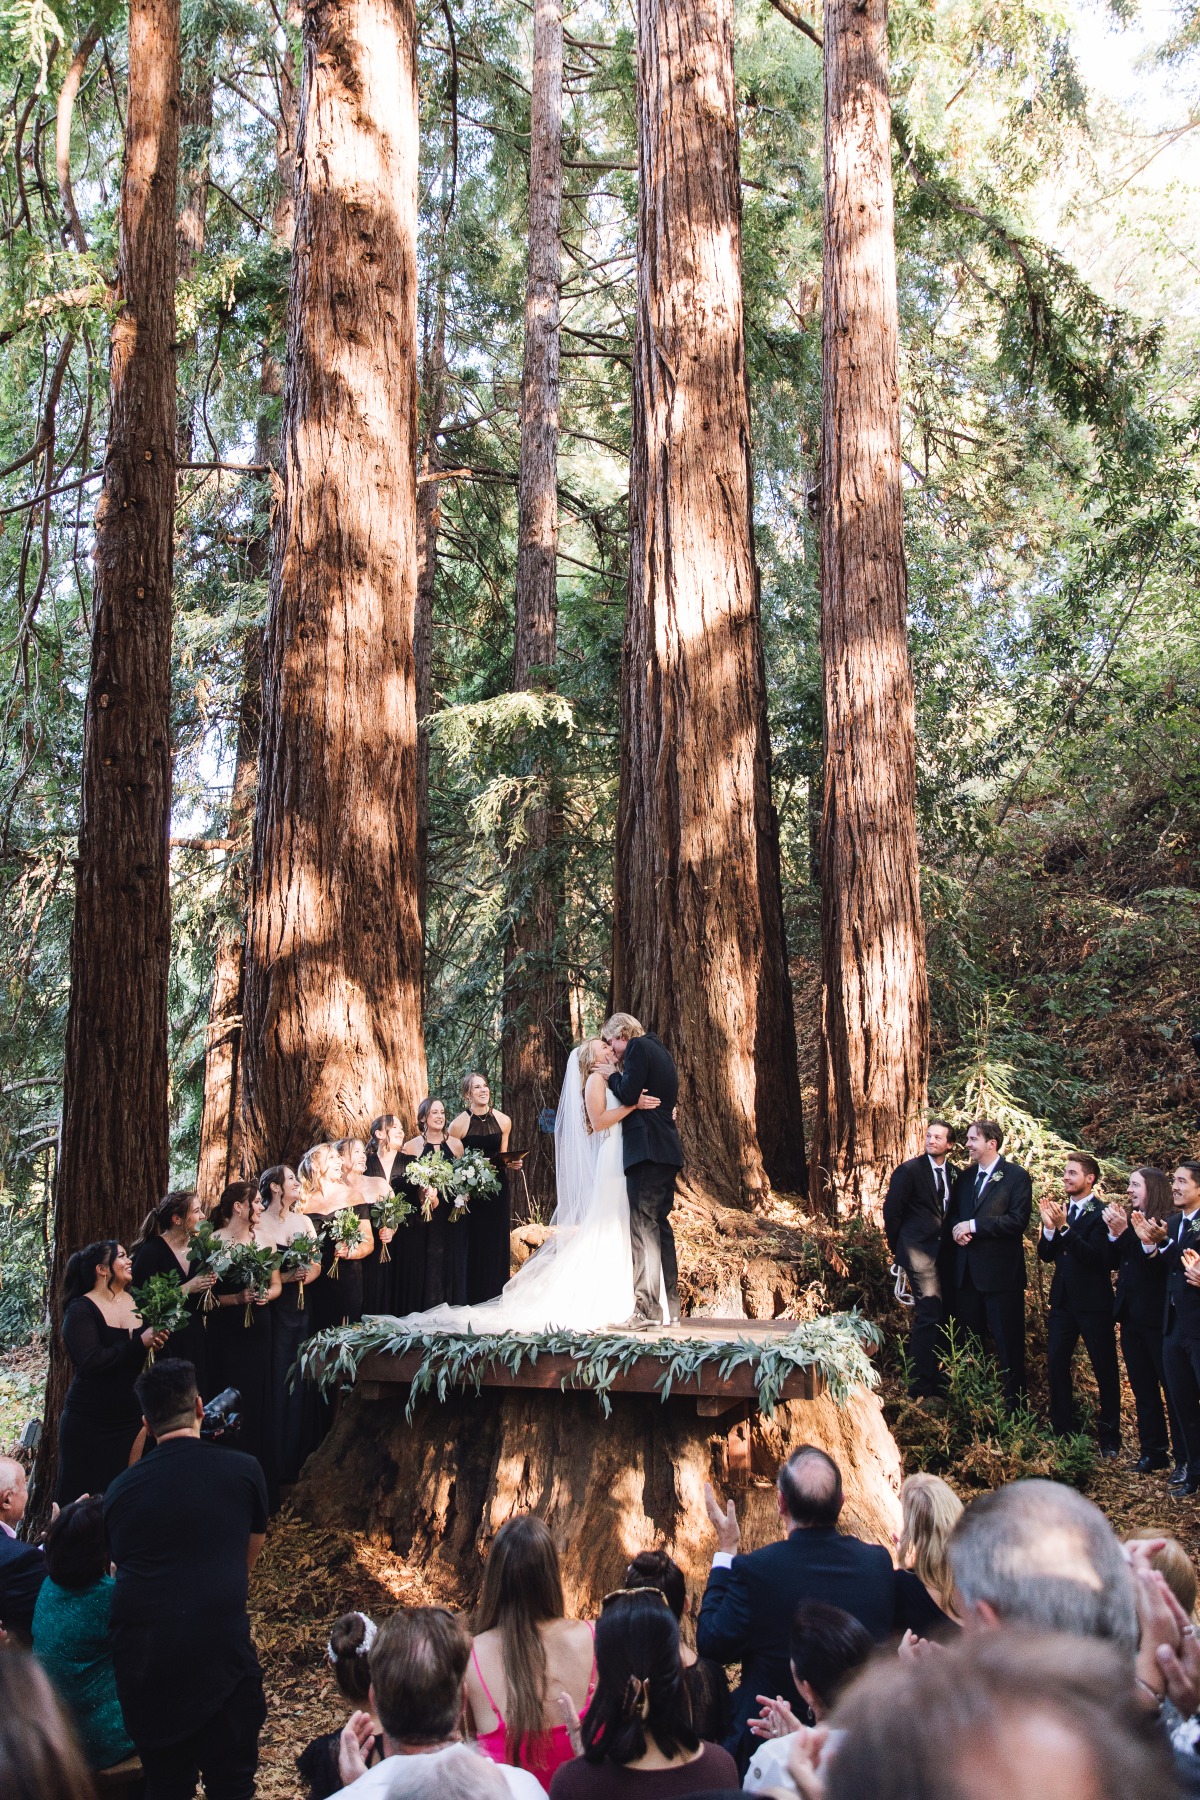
996,1175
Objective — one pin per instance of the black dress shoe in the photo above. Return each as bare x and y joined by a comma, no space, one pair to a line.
1177,1479
1108,1454
1149,1465
1184,1489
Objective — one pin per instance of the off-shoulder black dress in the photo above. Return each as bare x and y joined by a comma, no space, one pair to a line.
101,1416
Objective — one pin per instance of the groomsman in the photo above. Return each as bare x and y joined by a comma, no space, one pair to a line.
1075,1238
990,1205
914,1222
1179,1245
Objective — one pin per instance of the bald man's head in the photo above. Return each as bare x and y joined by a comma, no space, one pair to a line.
14,1491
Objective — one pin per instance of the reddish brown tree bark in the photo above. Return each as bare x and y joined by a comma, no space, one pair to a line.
699,953
429,514
333,954
874,994
113,1162
536,1038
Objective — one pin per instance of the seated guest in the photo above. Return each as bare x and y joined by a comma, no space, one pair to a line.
459,1773
929,1511
1173,1564
40,1758
348,1650
827,1648
1004,1715
750,1601
71,1627
185,1527
418,1668
22,1566
1075,1238
526,1654
638,1737
706,1681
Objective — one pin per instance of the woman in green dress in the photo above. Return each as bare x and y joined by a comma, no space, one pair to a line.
70,1630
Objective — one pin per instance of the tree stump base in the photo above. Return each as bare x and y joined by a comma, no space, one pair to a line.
437,1488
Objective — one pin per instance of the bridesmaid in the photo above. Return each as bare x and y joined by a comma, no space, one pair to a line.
161,1248
291,1323
436,1274
240,1352
107,1344
368,1190
489,1222
386,1161
335,1301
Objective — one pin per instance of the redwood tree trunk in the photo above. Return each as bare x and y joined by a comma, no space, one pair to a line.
333,953
699,953
114,1157
429,513
874,997
537,1027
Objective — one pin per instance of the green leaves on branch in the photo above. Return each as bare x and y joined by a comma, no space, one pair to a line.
36,32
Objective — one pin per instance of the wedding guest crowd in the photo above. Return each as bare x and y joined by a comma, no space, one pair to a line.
958,1240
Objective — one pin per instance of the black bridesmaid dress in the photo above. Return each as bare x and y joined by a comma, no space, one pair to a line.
338,1300
156,1257
291,1324
434,1269
386,1289
240,1357
489,1222
101,1416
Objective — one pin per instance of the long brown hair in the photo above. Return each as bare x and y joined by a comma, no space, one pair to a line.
522,1589
1158,1204
167,1213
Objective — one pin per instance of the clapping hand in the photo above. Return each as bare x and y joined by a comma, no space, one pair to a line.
808,1746
775,1720
1150,1231
1168,1659
1191,1267
1054,1215
355,1746
723,1521
1116,1218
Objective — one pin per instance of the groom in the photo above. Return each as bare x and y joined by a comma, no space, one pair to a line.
653,1155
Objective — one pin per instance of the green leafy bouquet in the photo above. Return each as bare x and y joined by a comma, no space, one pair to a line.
161,1304
475,1175
250,1266
343,1227
391,1213
433,1173
212,1253
297,1257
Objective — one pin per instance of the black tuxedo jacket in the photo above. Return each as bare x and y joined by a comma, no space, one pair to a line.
747,1610
995,1254
1082,1258
1182,1310
648,1136
1141,1295
912,1212
22,1572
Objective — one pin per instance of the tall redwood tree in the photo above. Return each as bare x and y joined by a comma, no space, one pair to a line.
114,1156
332,1005
699,952
536,1030
874,993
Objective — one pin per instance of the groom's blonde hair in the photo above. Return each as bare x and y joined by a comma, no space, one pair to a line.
621,1025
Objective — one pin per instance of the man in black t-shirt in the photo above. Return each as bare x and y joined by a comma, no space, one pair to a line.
185,1526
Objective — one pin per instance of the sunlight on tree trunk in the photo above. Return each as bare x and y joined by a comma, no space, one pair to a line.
113,1165
536,1029
429,517
699,953
333,956
875,999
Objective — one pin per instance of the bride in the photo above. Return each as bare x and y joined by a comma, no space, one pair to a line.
582,1277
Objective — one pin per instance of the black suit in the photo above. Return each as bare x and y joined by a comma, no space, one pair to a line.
22,1572
989,1272
652,1156
914,1222
1138,1308
1181,1335
1081,1306
747,1610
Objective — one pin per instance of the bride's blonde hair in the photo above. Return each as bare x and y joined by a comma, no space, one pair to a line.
590,1053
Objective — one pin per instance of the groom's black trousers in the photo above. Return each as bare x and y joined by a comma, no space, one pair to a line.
651,1188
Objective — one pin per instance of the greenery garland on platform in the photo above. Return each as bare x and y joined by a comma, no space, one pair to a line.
836,1346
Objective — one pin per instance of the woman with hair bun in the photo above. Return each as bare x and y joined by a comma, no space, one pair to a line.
347,1652
386,1163
638,1737
489,1223
239,1331
706,1681
161,1248
435,1265
107,1344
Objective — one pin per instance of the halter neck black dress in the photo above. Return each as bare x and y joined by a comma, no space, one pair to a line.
434,1267
489,1221
383,1279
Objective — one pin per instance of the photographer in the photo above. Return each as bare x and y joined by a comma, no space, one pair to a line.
185,1527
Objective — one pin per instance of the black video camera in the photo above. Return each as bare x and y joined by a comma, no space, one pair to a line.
222,1421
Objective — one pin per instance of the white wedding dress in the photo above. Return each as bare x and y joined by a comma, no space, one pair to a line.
582,1277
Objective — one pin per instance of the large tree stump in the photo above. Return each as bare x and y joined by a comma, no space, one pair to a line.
437,1490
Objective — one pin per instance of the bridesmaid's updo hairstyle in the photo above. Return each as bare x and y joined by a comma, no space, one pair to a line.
168,1213
383,1123
315,1164
238,1193
271,1178
348,1650
80,1276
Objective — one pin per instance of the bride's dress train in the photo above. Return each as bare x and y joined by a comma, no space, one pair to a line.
582,1277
